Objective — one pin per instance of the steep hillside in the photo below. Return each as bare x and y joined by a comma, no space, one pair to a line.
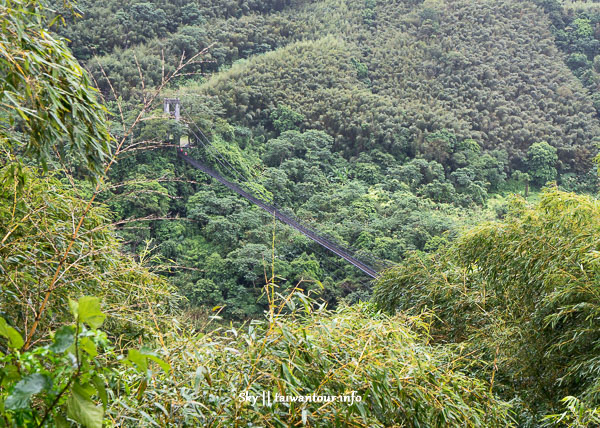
388,125
488,71
401,69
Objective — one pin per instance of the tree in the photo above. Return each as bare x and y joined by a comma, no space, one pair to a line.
522,177
286,119
541,163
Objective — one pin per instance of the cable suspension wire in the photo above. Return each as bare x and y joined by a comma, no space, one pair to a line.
289,217
281,216
221,159
230,167
358,254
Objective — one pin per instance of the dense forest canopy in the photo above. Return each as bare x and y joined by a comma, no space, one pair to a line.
385,153
452,141
457,66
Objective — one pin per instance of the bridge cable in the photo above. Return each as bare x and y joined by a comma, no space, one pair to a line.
282,217
292,216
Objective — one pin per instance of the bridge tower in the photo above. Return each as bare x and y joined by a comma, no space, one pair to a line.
172,108
175,103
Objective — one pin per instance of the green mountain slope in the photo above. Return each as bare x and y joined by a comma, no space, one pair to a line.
386,124
402,69
488,71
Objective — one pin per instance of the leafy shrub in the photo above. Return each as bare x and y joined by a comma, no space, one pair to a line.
37,224
47,103
523,292
541,160
385,360
286,119
43,385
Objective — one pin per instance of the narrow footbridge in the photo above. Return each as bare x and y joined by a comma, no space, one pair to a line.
336,249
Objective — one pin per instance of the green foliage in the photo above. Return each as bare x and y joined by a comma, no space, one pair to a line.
340,198
362,72
286,119
37,224
65,373
48,105
523,293
449,85
369,13
387,125
575,27
577,414
375,204
582,28
67,380
386,361
14,338
47,383
541,161
129,22
56,246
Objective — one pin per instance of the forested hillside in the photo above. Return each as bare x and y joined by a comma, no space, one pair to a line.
382,124
485,71
488,71
452,142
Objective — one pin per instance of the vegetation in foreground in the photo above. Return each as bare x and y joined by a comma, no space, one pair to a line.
522,294
495,329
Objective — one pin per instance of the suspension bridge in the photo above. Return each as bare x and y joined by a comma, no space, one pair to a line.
285,218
